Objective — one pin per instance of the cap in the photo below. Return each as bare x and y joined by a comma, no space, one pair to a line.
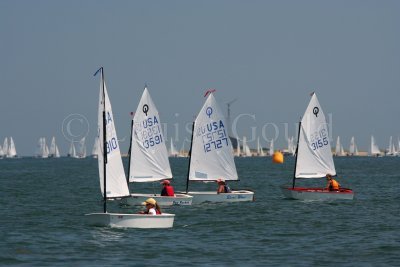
165,182
151,201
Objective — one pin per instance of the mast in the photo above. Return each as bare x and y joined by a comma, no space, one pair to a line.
297,150
129,153
190,159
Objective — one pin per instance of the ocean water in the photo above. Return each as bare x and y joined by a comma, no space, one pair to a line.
43,202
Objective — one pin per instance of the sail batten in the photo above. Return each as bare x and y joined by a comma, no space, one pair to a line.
211,156
314,159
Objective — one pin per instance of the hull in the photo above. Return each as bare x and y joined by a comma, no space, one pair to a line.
120,220
211,196
303,193
178,200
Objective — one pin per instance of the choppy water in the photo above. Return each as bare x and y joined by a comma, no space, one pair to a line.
43,202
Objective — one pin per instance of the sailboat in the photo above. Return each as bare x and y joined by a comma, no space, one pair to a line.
238,152
43,151
112,175
271,148
82,149
211,156
11,152
54,152
95,150
148,154
260,150
72,150
246,148
314,157
172,151
374,149
391,150
1,152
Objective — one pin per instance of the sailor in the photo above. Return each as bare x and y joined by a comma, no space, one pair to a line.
152,207
168,189
332,185
223,187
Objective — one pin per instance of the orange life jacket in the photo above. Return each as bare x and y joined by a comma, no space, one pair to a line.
333,185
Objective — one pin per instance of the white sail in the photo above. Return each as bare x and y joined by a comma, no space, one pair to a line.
211,156
53,151
116,184
238,152
5,146
96,147
12,151
57,154
352,148
314,158
43,151
246,149
149,156
338,146
82,148
72,150
172,151
1,152
355,150
271,147
391,149
259,148
374,149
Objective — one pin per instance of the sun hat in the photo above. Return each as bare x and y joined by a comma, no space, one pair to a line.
151,201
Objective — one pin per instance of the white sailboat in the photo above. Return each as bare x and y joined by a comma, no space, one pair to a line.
82,149
314,157
374,149
54,152
112,176
238,152
72,150
246,148
211,156
271,148
42,150
148,155
352,148
12,151
391,149
5,147
260,150
95,150
172,151
1,152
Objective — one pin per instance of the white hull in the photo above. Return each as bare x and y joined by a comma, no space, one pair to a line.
178,200
315,194
121,220
211,196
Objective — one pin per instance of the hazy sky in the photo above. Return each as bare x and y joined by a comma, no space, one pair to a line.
269,55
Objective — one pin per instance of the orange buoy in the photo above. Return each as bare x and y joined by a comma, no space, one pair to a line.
277,157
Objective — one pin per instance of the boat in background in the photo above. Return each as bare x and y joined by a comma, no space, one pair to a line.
11,151
314,157
54,152
211,155
374,149
113,183
95,150
42,150
172,151
148,155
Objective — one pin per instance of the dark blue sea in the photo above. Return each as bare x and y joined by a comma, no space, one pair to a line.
43,202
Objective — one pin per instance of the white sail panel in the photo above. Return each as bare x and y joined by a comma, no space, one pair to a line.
149,155
314,158
212,156
115,175
352,148
12,151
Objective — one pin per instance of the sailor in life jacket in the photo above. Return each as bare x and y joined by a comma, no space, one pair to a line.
332,185
167,190
223,187
152,207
